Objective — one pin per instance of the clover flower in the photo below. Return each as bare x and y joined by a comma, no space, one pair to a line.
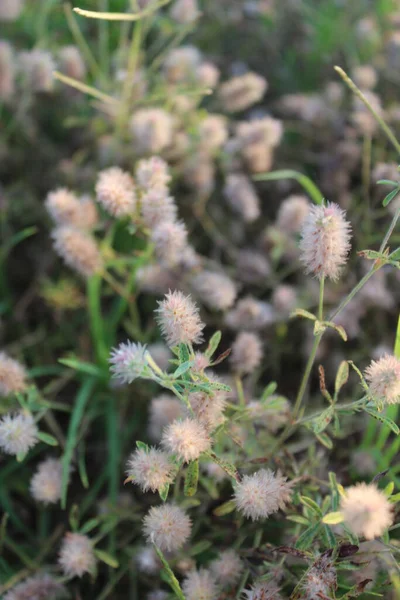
10,9
366,510
227,568
184,12
158,208
200,585
383,377
128,362
76,555
179,319
215,290
246,353
167,526
78,249
292,213
242,91
115,190
71,63
12,375
18,433
152,173
150,469
64,207
39,587
170,241
37,67
242,197
45,485
259,495
164,409
187,439
152,129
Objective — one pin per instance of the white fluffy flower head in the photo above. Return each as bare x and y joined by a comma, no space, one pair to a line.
115,190
12,375
383,377
128,362
366,510
188,439
18,433
200,585
46,483
167,526
150,469
259,495
76,555
179,319
227,568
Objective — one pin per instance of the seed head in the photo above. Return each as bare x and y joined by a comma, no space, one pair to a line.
259,495
164,409
188,439
366,510
292,213
151,470
158,208
152,130
12,375
46,483
320,580
247,352
167,526
216,290
76,555
128,362
200,585
264,590
7,71
383,377
179,319
18,433
242,91
242,197
39,587
71,62
325,241
227,568
152,173
78,249
115,190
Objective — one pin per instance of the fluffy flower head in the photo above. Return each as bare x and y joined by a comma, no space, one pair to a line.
216,290
325,241
188,439
167,526
12,375
200,585
383,377
152,173
259,495
164,409
76,555
18,433
366,510
246,352
116,191
78,249
39,587
179,319
227,568
46,483
264,590
151,469
128,362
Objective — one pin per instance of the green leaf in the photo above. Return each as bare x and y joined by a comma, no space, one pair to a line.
329,537
300,312
391,195
342,376
21,456
383,419
388,182
48,439
325,440
304,181
183,368
298,519
224,509
142,446
191,478
213,344
184,355
306,538
200,547
106,558
74,517
269,390
170,577
388,491
81,366
311,505
163,492
333,518
320,423
89,526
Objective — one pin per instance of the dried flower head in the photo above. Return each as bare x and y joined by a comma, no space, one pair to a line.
292,213
78,249
246,352
200,585
184,11
12,375
46,483
115,190
7,71
259,495
215,290
71,62
164,409
383,377
152,130
242,91
227,568
37,67
242,197
128,362
76,555
187,439
150,469
366,510
39,587
263,590
170,241
167,526
10,9
64,207
320,580
325,241
18,433
179,319
158,208
152,173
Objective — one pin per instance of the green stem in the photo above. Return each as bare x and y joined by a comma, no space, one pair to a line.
133,59
240,391
338,407
96,321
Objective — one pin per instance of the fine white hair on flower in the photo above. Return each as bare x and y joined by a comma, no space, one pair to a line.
247,352
128,362
76,555
208,408
12,375
325,241
152,129
227,568
383,377
200,584
78,249
259,495
150,469
18,433
366,510
170,242
178,317
152,173
263,590
188,439
46,483
167,526
40,587
115,190
320,580
64,207
158,207
215,290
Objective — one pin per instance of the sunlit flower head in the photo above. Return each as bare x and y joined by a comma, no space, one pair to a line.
178,317
76,555
366,510
187,439
152,173
158,207
383,377
242,91
115,190
78,249
167,526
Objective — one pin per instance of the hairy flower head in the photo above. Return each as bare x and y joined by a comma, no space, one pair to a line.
325,241
150,469
71,62
242,91
10,9
18,433
383,377
76,555
263,590
128,362
247,352
152,129
152,173
78,249
227,568
12,375
46,483
200,585
170,241
179,319
167,526
64,207
242,197
37,67
188,439
164,409
115,190
215,290
259,495
366,510
158,207
292,213
38,587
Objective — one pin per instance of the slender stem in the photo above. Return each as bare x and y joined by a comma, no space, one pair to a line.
240,392
81,42
321,299
306,376
133,59
338,407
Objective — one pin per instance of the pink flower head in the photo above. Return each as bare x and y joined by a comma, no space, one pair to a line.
128,362
383,377
179,319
